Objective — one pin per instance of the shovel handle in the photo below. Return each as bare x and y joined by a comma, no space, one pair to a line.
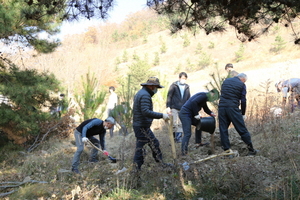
170,128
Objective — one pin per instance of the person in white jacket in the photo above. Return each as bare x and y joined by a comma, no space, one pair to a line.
112,103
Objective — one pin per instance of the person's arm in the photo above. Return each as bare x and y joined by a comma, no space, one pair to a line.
89,125
243,100
146,103
102,141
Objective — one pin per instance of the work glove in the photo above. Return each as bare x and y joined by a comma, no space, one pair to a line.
165,116
168,110
213,114
105,153
244,117
85,140
198,117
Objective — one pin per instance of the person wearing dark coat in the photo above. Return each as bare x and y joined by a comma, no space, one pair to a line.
143,116
233,94
189,115
86,131
178,94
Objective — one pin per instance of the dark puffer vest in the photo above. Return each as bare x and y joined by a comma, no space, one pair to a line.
231,92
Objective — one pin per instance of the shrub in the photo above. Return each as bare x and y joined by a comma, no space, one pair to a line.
278,45
239,55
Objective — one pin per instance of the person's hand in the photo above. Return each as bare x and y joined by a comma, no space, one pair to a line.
105,153
244,117
85,140
166,116
198,117
169,110
213,114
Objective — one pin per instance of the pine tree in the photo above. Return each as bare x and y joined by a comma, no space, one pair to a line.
29,96
90,97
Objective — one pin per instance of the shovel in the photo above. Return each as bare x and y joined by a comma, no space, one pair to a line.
113,160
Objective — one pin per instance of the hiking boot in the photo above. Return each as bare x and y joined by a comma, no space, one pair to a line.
76,171
252,152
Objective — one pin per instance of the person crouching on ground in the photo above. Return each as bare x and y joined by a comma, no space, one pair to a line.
84,132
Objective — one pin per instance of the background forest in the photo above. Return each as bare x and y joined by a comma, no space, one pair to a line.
125,55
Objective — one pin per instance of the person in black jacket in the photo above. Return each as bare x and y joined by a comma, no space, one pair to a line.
178,94
84,132
143,116
233,94
189,115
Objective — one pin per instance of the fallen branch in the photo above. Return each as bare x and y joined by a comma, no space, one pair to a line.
16,184
7,193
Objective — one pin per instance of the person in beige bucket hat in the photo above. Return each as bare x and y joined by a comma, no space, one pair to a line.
143,116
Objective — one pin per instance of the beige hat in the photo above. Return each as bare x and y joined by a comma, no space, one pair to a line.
153,81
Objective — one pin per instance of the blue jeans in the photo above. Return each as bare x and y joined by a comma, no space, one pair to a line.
232,115
80,147
145,136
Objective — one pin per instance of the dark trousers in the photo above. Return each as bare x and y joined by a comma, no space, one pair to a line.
144,135
198,136
232,115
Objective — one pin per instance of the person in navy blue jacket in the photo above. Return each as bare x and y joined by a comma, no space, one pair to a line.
84,132
233,94
178,94
143,116
189,115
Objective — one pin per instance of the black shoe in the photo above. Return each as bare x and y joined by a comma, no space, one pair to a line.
252,153
76,171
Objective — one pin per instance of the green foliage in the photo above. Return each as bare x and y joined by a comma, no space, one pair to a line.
160,98
186,40
156,59
198,48
211,45
178,68
278,45
205,60
215,83
90,98
23,21
139,71
189,67
163,48
123,112
215,16
239,55
135,56
29,93
125,56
